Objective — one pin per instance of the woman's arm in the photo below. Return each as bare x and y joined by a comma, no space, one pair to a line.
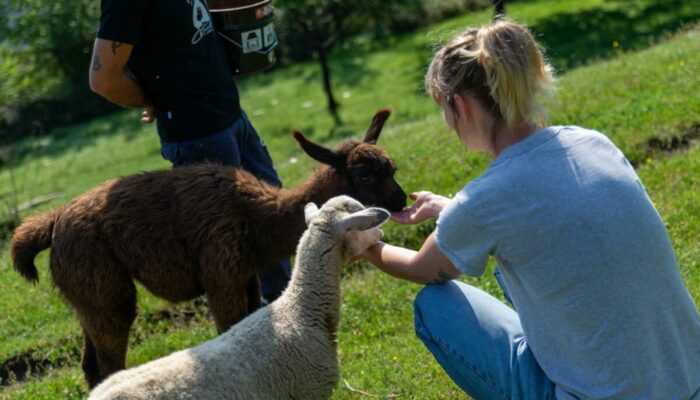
110,79
428,265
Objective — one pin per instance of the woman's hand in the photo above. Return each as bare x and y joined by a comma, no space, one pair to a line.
427,205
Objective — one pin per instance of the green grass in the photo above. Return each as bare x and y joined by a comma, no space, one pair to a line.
641,90
674,184
637,97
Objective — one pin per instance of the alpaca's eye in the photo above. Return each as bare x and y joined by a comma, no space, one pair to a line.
366,178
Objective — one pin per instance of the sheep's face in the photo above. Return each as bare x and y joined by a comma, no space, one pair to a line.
349,222
367,169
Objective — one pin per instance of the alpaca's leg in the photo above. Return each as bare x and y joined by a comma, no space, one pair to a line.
89,361
106,319
111,348
228,305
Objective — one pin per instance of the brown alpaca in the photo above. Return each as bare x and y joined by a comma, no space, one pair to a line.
201,229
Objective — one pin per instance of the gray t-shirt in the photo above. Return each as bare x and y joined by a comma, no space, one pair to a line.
588,263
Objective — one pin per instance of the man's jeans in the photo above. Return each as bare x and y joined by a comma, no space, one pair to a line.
479,342
240,146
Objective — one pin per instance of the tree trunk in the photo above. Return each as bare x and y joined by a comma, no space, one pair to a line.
500,8
325,70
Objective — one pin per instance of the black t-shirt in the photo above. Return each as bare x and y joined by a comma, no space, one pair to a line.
179,61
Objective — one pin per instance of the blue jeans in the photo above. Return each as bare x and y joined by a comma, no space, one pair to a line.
479,342
240,146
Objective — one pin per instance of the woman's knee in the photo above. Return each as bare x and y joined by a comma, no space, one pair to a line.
431,304
456,307
446,297
436,294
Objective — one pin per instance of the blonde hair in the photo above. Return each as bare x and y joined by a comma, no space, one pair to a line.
501,65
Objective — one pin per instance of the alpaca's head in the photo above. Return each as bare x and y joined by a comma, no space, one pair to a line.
367,170
350,223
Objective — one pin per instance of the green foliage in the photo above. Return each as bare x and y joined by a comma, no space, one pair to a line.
53,37
304,25
419,13
45,49
22,80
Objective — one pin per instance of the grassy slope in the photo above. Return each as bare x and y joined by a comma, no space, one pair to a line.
632,97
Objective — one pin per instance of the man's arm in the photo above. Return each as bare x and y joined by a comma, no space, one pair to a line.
109,77
428,265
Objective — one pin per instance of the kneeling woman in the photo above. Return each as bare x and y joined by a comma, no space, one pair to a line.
601,311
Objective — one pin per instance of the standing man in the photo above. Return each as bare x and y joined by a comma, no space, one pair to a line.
165,57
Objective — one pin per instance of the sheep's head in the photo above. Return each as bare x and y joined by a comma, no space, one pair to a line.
348,221
367,169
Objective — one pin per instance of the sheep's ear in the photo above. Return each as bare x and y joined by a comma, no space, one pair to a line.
319,153
377,124
363,220
310,212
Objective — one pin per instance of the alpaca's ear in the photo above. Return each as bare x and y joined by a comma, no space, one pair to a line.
320,153
377,124
310,212
363,220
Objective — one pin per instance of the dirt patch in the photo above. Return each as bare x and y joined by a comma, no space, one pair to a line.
195,310
670,144
180,315
674,143
22,366
35,362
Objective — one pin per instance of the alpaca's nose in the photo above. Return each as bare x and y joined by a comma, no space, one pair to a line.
397,201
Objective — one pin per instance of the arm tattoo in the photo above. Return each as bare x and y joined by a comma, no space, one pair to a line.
443,277
115,46
96,63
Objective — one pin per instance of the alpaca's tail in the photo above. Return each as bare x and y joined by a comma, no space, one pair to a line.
31,237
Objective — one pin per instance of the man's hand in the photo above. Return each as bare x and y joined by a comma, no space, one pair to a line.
148,115
427,205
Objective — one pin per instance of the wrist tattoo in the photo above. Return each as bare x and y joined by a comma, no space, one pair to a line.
96,63
443,277
115,46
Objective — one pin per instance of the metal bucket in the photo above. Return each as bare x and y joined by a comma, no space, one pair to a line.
248,32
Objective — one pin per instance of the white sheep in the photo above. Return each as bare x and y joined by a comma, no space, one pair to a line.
286,350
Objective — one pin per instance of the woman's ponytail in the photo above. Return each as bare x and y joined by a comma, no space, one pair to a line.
501,65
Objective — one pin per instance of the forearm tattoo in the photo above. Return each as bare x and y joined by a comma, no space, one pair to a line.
96,63
443,277
115,46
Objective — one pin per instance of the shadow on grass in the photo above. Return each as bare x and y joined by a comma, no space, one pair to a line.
574,39
579,37
72,137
